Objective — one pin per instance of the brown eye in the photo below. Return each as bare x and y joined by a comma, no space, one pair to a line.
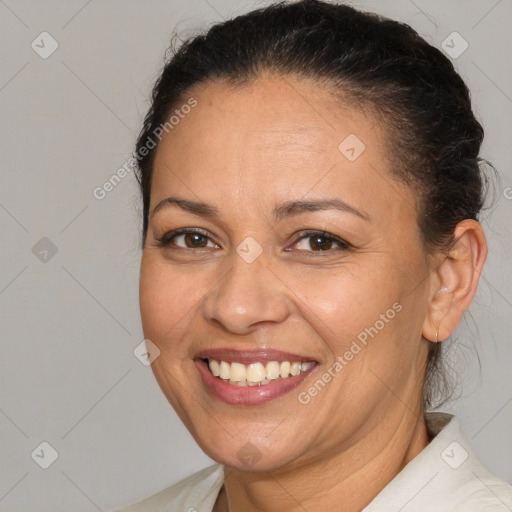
186,238
317,241
193,240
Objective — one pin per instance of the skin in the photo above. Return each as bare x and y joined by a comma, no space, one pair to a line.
244,151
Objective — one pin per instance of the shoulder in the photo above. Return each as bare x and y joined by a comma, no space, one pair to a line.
484,492
473,486
446,476
196,493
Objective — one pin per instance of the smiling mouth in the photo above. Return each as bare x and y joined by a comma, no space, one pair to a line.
256,373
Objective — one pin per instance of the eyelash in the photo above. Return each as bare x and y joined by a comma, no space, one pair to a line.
165,240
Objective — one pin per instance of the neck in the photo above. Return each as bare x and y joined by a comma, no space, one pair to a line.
347,481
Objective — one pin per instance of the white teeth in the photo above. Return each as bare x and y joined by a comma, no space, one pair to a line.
284,369
256,374
295,369
225,370
238,373
214,367
272,369
237,383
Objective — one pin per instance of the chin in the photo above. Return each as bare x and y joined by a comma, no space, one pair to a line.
250,453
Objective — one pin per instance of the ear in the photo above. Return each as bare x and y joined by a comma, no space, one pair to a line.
454,282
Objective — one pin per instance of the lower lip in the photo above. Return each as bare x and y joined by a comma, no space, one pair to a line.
248,395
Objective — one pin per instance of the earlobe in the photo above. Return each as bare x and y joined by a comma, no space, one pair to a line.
440,292
441,309
455,281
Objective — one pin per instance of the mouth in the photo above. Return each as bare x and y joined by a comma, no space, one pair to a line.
252,377
256,374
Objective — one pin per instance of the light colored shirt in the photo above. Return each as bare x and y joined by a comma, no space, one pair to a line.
445,477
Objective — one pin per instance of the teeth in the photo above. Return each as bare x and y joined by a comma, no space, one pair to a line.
237,383
214,367
272,369
238,372
225,370
306,366
295,369
256,374
284,369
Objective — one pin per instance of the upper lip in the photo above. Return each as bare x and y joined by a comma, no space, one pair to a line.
250,356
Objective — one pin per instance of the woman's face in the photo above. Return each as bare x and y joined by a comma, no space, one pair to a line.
253,289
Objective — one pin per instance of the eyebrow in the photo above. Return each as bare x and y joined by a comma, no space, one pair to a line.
286,209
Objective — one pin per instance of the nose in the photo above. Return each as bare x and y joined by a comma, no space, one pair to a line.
247,295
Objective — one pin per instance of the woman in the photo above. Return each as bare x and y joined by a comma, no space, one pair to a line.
311,188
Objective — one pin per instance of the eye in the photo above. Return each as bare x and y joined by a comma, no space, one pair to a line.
191,238
319,241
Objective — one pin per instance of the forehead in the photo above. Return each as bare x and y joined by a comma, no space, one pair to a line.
280,111
274,136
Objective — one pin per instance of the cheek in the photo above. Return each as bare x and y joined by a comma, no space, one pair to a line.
341,303
338,303
166,296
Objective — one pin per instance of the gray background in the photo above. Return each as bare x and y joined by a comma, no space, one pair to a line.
70,322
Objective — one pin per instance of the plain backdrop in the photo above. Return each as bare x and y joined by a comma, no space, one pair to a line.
69,262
